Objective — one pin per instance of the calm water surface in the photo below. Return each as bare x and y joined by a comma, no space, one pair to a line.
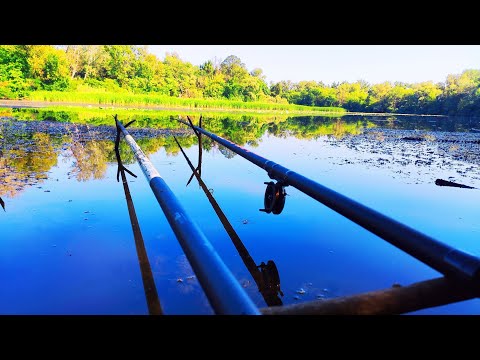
67,245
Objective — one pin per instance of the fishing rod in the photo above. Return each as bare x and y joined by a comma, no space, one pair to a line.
222,289
151,295
265,275
439,256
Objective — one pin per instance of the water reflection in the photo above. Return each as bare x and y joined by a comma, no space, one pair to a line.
312,127
61,249
423,123
239,128
90,159
26,160
247,128
29,150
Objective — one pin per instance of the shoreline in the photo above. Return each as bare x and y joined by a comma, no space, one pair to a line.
24,104
41,104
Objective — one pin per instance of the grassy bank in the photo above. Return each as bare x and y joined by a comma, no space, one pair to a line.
144,117
129,99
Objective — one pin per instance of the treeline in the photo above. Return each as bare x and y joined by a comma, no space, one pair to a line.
124,68
128,69
458,95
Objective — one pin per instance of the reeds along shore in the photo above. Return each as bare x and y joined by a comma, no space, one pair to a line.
107,98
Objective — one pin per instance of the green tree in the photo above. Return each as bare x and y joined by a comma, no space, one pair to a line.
238,85
258,88
281,88
13,72
377,97
119,63
95,62
461,93
180,77
207,68
423,99
49,66
211,80
75,55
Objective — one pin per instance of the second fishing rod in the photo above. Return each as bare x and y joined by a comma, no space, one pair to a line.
439,256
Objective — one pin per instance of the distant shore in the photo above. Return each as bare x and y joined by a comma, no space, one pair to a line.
39,104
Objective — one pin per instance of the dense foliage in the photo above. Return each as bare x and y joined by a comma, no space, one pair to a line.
458,95
114,73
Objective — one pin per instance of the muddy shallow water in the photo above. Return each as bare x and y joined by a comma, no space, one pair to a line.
67,243
419,153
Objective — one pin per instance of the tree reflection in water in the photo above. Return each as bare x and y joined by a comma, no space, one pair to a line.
30,151
31,148
26,159
91,159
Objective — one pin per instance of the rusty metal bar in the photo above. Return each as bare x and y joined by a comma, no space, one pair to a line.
396,300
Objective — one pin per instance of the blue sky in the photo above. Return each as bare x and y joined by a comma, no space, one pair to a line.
336,63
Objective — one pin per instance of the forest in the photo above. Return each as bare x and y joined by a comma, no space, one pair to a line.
66,72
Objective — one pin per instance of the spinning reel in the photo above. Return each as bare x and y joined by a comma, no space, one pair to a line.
274,200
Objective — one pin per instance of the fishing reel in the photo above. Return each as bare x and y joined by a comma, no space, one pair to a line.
270,278
274,200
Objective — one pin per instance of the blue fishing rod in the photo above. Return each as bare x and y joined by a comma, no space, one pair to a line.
222,289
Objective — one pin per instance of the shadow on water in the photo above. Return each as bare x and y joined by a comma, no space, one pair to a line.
265,275
441,182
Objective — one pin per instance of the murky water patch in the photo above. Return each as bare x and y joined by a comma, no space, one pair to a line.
416,156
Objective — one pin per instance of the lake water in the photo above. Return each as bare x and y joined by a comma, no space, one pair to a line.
67,245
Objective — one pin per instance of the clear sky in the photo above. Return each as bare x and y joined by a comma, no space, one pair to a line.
336,63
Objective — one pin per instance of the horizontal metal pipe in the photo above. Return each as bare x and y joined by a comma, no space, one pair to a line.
441,257
221,288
